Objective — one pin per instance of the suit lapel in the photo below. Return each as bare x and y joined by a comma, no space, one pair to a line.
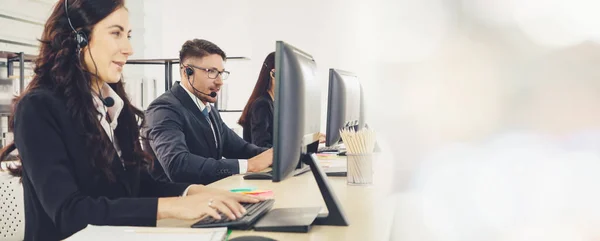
191,106
120,173
122,176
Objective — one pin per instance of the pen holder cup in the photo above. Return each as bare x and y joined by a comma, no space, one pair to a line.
360,169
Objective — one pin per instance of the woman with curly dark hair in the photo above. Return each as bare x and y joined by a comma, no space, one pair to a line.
78,136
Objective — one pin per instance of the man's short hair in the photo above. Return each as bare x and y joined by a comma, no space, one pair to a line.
199,48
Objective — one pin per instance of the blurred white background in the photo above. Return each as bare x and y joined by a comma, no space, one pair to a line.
490,110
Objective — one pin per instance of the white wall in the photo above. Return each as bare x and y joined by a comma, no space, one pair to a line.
22,21
21,24
250,29
240,28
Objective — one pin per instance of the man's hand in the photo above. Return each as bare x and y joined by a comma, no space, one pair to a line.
261,161
322,138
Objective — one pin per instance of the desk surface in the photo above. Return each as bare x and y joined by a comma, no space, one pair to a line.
365,207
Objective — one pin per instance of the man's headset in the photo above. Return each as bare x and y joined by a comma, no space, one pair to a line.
190,72
82,41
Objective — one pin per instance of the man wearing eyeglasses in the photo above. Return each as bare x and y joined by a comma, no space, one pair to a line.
186,134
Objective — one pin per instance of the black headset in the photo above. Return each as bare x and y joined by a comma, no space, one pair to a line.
80,36
189,72
82,41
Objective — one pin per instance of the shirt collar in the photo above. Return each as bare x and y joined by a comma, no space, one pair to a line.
196,100
113,111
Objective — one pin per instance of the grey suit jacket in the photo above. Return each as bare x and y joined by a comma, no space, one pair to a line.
183,144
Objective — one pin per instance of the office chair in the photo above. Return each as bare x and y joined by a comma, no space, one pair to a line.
12,216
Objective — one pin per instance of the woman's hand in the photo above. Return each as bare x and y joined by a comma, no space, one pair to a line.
201,200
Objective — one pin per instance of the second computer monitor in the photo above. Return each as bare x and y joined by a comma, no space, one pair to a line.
344,104
297,109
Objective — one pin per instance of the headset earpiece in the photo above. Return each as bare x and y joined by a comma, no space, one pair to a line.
80,36
81,39
189,71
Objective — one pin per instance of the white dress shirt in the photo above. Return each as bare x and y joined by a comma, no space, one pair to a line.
113,112
242,162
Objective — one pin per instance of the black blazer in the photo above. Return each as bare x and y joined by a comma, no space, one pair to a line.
258,129
183,141
62,192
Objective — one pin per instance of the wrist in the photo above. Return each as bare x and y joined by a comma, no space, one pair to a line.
165,206
195,189
251,167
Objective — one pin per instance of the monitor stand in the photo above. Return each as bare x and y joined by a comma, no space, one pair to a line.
301,219
336,216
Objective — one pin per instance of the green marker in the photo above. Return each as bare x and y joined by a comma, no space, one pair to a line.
246,189
228,234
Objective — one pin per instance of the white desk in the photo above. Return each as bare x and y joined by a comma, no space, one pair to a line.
365,207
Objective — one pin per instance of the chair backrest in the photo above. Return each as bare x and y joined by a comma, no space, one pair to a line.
12,224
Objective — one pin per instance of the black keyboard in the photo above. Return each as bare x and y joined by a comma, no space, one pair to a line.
254,212
334,148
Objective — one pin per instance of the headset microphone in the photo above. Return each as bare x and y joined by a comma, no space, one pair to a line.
212,94
108,101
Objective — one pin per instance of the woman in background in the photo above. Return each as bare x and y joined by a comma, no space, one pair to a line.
78,135
257,117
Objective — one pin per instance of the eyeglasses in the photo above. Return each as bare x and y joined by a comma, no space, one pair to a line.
213,73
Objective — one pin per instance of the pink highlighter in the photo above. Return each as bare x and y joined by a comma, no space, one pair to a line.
254,192
268,194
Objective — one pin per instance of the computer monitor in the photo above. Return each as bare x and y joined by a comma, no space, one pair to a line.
296,123
345,104
297,109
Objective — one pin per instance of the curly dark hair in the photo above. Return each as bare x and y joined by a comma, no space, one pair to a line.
59,68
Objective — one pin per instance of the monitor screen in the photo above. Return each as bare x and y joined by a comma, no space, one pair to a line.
297,108
344,104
